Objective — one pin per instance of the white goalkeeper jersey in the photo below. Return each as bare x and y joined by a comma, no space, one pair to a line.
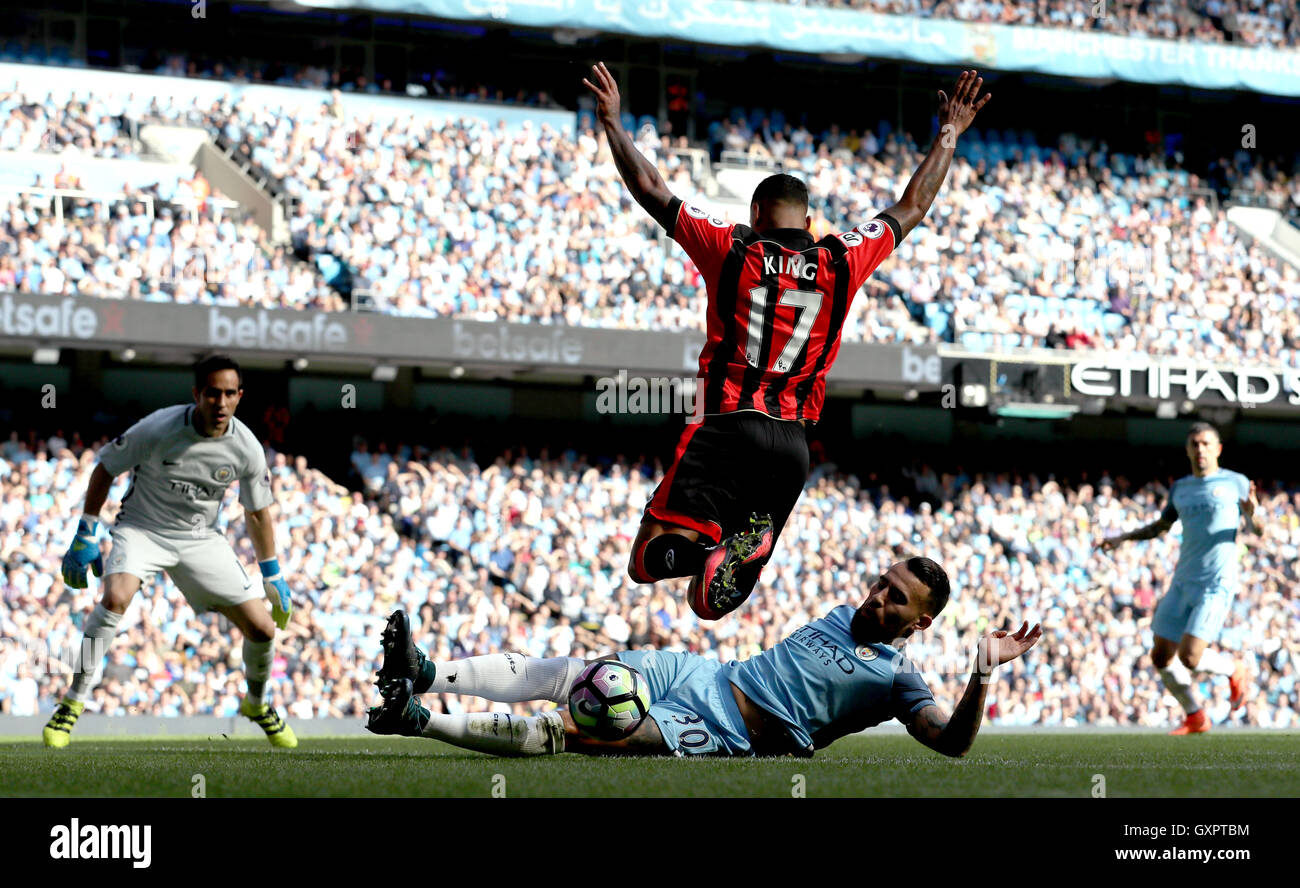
179,477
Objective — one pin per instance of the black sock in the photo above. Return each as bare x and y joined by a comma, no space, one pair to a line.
673,555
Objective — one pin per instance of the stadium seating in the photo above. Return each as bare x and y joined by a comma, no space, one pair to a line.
547,575
538,228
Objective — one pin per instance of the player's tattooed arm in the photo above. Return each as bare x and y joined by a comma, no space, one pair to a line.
955,117
954,735
639,174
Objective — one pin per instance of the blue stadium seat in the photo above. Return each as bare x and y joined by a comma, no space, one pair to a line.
778,119
1015,302
586,119
973,340
737,115
647,119
1113,322
628,121
1034,302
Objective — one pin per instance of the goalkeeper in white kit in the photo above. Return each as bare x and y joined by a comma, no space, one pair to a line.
182,459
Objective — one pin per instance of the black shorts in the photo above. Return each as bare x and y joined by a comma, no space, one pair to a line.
728,467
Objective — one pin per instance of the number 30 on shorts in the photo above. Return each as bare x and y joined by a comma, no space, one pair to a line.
695,737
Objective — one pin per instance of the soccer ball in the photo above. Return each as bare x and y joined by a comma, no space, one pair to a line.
609,700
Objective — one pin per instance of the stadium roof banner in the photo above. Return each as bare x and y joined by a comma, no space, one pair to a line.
1057,51
78,322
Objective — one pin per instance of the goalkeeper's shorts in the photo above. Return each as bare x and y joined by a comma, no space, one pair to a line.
205,568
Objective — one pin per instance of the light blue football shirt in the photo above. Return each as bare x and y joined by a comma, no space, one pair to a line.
824,684
1210,509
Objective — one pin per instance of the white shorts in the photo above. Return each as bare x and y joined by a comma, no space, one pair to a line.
205,569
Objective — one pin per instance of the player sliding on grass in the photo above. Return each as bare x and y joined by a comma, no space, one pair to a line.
1211,503
181,460
834,676
777,300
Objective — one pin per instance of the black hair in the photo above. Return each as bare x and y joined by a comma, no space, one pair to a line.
211,364
1198,427
935,579
781,188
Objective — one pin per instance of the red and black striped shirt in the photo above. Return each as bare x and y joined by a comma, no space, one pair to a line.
777,304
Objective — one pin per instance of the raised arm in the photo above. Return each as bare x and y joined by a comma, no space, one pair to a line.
955,117
954,735
640,175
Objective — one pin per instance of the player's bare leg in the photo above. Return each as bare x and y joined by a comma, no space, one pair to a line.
101,627
257,627
1195,654
1166,656
662,551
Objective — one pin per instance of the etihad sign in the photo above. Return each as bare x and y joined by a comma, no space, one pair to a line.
1166,381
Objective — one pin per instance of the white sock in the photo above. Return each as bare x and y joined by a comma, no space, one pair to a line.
257,667
1216,663
101,626
508,678
499,733
1178,681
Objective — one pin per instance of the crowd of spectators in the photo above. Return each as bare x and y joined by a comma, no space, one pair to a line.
528,552
1071,245
1270,23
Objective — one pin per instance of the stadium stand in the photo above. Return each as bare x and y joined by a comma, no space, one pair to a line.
1069,246
528,552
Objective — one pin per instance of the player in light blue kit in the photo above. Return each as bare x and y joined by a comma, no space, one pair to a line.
834,676
1211,503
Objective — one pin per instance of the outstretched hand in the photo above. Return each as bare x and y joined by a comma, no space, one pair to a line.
1249,505
1000,647
606,92
960,110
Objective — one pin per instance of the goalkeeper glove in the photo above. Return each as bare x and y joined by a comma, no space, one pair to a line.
83,553
277,591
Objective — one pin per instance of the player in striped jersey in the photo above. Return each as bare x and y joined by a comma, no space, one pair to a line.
777,300
181,460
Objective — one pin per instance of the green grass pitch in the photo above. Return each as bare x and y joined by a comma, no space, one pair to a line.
1225,763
